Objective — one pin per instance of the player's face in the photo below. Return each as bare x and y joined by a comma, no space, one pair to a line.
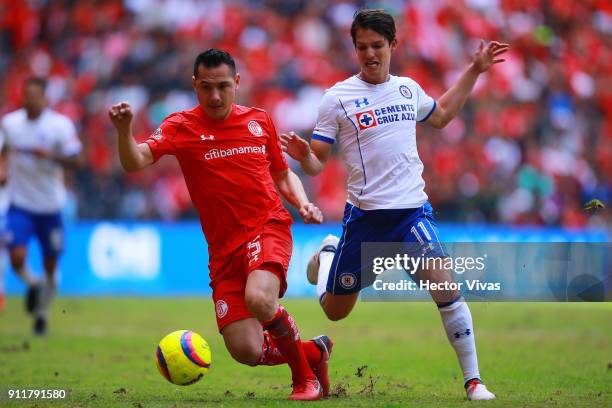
34,100
373,54
216,90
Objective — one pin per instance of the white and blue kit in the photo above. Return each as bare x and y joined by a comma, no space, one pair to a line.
36,187
375,128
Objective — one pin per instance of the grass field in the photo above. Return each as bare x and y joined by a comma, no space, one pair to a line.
102,351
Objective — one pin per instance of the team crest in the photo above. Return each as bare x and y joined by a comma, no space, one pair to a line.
221,308
157,135
255,128
405,91
366,120
347,281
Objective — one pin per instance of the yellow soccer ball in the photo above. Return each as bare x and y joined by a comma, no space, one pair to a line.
183,357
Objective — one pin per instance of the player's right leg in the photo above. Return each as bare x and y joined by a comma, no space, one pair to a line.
20,227
244,334
261,295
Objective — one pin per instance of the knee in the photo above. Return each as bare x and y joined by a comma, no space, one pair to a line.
261,304
246,353
335,315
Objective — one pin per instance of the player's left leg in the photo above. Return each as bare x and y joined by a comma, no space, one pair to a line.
50,233
454,311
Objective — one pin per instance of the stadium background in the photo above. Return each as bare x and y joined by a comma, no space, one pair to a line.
531,146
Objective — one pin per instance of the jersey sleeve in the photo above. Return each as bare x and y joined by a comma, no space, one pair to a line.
327,126
278,162
160,141
70,144
425,104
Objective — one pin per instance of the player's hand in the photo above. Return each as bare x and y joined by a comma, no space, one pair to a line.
485,57
311,214
121,115
294,146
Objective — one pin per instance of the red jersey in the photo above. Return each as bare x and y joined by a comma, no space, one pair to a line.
226,165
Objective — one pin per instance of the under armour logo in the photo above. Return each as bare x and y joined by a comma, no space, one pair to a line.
466,333
204,137
360,102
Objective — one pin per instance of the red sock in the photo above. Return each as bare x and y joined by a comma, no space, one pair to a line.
284,332
271,356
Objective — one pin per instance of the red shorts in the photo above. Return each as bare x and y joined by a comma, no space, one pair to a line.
269,250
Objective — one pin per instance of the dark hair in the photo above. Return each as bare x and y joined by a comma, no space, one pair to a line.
212,58
377,20
37,81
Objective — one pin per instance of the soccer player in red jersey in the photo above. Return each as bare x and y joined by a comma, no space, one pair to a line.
232,162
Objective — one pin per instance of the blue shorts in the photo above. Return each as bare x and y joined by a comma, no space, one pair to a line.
22,224
412,225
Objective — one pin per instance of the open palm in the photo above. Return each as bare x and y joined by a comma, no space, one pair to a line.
485,57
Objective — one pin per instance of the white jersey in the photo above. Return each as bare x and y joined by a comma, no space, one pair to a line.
375,127
36,184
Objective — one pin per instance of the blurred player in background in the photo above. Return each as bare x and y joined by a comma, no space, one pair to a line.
232,161
373,116
38,144
4,202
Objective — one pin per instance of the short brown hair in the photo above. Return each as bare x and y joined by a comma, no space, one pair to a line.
377,20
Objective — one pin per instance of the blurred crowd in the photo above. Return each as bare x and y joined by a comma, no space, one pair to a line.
532,145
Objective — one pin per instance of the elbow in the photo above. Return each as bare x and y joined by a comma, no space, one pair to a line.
130,166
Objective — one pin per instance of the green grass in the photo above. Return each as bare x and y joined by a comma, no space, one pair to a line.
102,351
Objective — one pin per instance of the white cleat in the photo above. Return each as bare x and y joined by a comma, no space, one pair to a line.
477,391
329,244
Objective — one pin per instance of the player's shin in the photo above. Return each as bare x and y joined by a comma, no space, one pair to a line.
283,331
457,321
25,275
47,293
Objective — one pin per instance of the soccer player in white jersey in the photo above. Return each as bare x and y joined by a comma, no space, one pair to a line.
372,116
38,143
3,209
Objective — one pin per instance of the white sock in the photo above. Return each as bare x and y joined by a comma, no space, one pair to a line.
325,261
25,275
457,321
47,293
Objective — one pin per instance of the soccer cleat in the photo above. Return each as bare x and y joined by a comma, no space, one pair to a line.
309,390
477,391
40,326
32,297
2,302
329,244
325,344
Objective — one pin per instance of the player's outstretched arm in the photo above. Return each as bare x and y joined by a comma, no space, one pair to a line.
133,156
312,157
290,186
453,100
